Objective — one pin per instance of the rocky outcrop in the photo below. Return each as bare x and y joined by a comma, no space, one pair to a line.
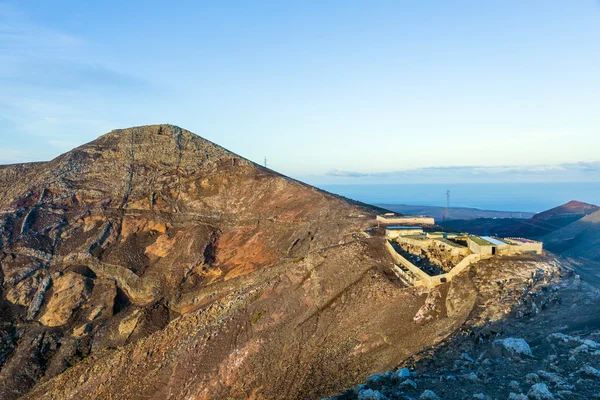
69,292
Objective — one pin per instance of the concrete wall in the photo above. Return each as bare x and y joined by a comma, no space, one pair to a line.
394,233
423,279
425,243
521,247
454,250
406,220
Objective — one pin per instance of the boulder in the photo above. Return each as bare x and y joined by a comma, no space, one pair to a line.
540,391
409,382
429,395
403,373
375,381
510,347
370,394
516,396
68,293
590,371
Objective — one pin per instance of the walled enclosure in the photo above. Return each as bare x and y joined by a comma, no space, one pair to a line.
420,278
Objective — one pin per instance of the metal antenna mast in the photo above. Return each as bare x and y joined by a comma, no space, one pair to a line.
265,162
447,210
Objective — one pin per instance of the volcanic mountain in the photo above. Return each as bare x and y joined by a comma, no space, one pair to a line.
154,264
579,239
538,226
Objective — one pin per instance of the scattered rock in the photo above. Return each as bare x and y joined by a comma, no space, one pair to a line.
409,382
540,391
429,395
588,370
375,381
403,373
532,378
514,386
516,396
580,349
511,346
470,377
370,394
551,376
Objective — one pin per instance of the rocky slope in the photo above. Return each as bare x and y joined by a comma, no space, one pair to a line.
581,239
152,263
548,347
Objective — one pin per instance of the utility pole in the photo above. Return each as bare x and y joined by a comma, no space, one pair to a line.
446,212
265,162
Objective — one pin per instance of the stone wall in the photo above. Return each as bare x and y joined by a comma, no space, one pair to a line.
420,277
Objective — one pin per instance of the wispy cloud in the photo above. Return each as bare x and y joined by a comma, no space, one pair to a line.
583,171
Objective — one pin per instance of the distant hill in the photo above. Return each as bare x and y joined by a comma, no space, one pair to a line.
572,211
537,226
456,213
579,239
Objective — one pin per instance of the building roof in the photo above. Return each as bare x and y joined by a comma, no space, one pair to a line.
480,241
494,241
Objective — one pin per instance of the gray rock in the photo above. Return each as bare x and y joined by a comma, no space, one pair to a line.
540,391
480,396
370,394
403,373
516,396
429,395
514,386
564,394
584,348
532,378
375,381
471,377
409,382
358,388
512,346
588,370
551,376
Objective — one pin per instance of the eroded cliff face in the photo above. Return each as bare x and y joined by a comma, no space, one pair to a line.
152,263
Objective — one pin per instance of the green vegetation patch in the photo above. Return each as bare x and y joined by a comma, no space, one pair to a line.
257,316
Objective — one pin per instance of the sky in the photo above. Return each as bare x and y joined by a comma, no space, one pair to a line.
337,91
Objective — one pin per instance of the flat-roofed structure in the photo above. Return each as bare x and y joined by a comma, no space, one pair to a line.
523,245
490,245
394,219
392,232
485,245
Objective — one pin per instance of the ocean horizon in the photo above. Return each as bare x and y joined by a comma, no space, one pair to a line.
515,197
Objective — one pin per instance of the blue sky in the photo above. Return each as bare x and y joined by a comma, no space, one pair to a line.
327,91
